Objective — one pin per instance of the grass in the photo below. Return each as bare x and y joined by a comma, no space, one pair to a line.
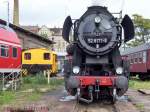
138,84
6,97
34,83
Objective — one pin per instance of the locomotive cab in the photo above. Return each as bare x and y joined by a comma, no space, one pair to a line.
96,68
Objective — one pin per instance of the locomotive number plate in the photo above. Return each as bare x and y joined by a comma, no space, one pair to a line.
97,40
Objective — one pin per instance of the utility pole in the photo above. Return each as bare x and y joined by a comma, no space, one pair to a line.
16,13
8,13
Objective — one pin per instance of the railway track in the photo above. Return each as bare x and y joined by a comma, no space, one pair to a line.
102,107
95,108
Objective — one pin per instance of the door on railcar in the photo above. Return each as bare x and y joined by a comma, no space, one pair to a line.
54,63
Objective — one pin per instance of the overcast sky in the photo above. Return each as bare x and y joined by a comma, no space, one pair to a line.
53,12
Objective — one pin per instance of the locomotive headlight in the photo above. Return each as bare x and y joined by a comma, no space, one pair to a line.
119,70
76,69
97,19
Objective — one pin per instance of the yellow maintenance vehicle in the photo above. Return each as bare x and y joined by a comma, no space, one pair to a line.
37,60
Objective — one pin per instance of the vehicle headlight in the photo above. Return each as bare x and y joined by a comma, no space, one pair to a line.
119,70
97,19
76,70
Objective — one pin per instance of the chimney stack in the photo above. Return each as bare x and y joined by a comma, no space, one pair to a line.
16,13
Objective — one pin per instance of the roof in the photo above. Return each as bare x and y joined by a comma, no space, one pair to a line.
8,35
139,48
34,29
27,32
56,31
42,49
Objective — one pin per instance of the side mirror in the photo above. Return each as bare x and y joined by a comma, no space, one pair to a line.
66,28
128,27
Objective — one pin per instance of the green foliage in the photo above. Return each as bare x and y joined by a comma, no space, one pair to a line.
38,79
33,83
138,84
135,42
142,30
6,97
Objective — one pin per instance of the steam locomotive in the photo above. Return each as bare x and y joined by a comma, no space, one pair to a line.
94,69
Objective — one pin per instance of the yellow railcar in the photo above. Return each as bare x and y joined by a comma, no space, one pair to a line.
39,59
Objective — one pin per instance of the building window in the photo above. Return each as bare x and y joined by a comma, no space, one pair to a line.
4,50
14,51
46,56
27,56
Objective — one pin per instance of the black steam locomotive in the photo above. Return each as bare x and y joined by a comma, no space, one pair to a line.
94,68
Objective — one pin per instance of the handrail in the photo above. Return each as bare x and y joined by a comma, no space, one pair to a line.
14,76
12,72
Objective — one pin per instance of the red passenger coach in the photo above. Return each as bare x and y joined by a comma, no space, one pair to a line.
139,58
10,51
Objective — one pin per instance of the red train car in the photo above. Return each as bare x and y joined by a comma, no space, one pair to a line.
10,51
139,58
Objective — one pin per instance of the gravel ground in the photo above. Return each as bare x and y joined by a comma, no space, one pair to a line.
141,101
50,102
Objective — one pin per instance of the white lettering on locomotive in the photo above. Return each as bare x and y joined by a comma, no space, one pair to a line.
97,41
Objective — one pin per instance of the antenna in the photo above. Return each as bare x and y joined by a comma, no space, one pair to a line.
122,7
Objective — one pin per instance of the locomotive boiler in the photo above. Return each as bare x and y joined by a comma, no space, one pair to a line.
93,68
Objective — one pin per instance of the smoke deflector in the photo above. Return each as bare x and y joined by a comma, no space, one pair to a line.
128,27
66,28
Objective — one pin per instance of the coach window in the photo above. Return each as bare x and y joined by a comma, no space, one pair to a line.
27,56
131,59
144,57
14,51
4,50
140,57
46,56
135,58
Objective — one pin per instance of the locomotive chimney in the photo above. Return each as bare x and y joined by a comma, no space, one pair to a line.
16,13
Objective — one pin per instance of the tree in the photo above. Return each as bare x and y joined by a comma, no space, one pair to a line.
142,31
